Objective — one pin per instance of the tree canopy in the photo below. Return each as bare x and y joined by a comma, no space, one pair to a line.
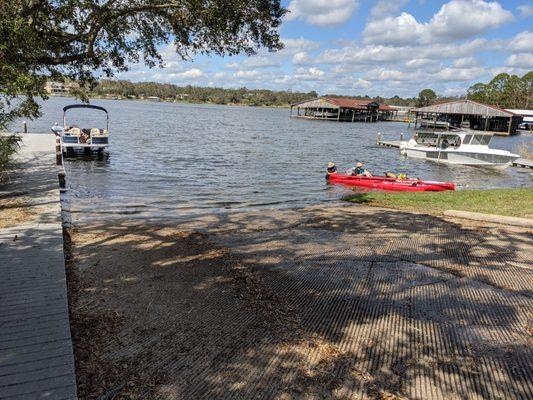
84,39
506,91
426,97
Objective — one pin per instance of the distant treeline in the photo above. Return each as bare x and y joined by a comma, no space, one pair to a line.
505,91
195,94
216,95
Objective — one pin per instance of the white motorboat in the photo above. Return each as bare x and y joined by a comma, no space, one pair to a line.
75,139
464,147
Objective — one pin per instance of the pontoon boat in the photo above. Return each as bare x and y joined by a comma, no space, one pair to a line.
74,138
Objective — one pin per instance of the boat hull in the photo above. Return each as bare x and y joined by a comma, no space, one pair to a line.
461,157
388,184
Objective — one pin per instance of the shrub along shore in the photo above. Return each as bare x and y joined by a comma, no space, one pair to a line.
510,202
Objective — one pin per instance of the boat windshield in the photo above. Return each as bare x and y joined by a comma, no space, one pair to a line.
449,141
480,140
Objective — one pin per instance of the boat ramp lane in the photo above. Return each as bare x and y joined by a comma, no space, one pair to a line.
36,357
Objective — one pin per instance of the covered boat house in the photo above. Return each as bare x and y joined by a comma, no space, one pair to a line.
479,116
342,109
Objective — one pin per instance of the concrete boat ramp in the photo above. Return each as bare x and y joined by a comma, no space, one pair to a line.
326,302
36,359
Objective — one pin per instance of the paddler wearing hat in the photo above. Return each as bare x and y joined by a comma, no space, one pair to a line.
331,169
360,170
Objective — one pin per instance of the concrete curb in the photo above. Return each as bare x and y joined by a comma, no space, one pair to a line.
498,219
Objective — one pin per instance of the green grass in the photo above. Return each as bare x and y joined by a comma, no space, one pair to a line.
511,202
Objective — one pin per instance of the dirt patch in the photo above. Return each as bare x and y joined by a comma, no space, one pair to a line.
15,211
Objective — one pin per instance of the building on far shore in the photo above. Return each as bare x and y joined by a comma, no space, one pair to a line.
527,117
59,88
480,116
403,113
342,109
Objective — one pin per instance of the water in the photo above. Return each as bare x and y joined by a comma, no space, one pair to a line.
179,159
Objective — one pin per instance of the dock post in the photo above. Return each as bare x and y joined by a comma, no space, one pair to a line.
378,140
62,179
401,136
24,127
59,154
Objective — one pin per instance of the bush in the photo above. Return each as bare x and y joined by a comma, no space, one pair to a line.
8,146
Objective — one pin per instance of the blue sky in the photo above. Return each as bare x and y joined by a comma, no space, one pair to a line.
374,47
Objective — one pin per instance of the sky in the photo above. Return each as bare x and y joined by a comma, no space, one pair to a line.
375,47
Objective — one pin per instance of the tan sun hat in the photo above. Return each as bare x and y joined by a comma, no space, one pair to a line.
359,165
331,164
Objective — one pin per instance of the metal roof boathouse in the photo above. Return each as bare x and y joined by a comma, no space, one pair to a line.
481,116
342,109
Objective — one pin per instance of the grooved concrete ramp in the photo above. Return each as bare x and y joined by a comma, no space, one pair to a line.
319,303
36,360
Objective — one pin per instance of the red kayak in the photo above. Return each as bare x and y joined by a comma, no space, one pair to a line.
390,184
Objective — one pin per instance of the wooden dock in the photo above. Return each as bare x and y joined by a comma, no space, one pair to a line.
389,143
36,358
523,163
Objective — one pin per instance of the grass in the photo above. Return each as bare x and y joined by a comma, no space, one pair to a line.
8,147
510,202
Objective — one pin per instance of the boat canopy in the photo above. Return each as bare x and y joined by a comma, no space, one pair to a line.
66,108
84,106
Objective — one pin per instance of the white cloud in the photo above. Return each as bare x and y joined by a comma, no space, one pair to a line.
520,60
451,74
260,62
456,20
189,74
460,19
322,12
299,44
400,30
388,75
526,10
301,58
522,42
316,72
232,65
247,74
449,91
420,62
465,62
309,74
359,83
385,8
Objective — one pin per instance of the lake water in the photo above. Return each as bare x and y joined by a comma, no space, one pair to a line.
178,159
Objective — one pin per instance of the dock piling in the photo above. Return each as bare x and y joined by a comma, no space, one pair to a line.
62,179
59,154
24,127
401,136
378,140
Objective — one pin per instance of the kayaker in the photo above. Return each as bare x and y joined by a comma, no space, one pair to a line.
332,168
360,170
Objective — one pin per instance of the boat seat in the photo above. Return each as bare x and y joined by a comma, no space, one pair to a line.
98,132
73,130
